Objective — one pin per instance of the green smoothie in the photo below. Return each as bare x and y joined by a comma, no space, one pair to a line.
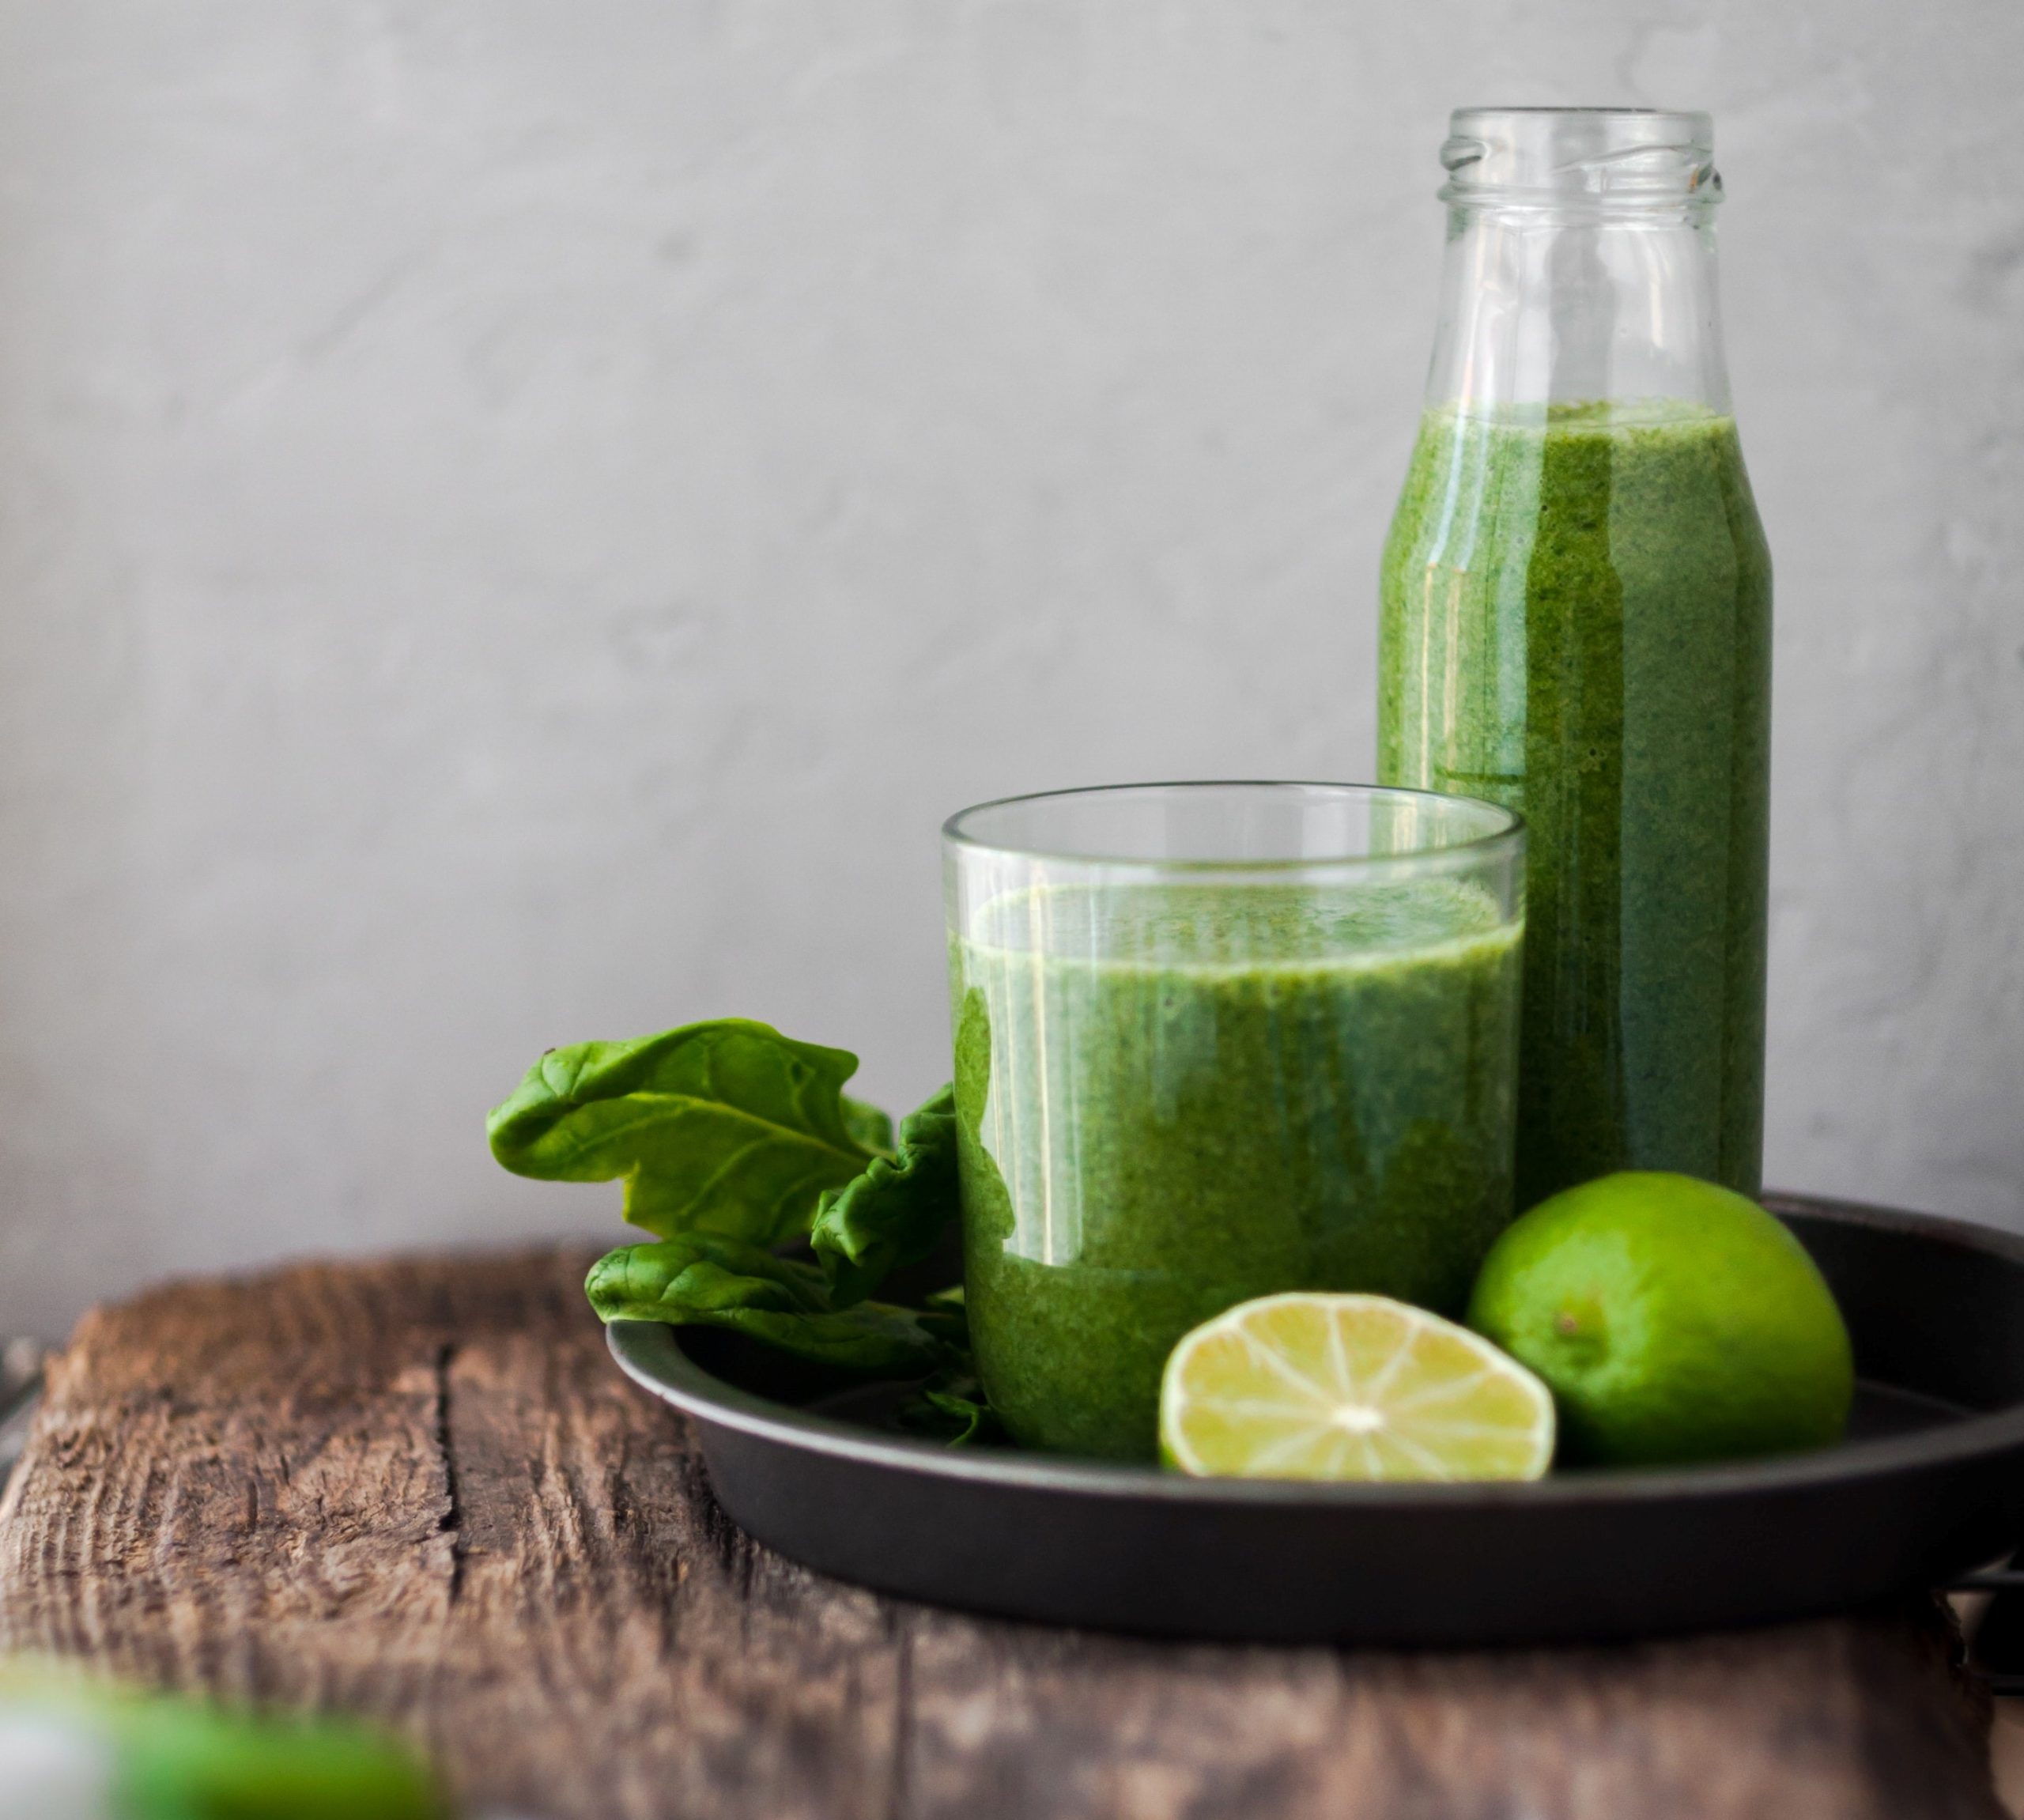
1173,1097
1577,624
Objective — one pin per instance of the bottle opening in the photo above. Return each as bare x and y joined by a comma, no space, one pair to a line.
1599,157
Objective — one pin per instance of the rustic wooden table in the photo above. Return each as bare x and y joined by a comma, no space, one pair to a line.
419,1490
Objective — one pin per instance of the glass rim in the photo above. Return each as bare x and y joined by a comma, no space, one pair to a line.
1473,850
1698,117
1631,163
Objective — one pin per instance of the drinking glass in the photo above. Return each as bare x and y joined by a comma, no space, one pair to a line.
1215,1040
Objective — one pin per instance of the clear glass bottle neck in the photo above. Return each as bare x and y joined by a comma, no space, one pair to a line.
1580,264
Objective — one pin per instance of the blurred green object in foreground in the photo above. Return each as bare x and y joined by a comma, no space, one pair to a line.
72,1748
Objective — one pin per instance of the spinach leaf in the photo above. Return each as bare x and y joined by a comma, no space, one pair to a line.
872,1128
726,1127
951,1407
895,1213
731,1138
699,1279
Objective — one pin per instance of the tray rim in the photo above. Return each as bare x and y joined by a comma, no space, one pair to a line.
649,1353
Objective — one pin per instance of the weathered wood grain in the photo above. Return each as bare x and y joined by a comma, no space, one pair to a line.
419,1490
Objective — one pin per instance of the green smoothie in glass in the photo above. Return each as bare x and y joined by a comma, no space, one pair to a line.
1577,622
1176,1090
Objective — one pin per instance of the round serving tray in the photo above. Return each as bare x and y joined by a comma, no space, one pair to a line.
1930,1483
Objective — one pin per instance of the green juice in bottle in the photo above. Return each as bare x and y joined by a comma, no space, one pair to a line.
1576,623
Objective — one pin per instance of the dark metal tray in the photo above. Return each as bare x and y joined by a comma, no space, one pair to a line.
1930,1483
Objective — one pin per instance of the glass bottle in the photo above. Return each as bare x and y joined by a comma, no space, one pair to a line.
1577,624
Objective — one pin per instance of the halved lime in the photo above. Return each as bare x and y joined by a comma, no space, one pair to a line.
1308,1385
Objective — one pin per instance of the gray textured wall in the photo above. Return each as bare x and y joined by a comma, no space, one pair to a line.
517,520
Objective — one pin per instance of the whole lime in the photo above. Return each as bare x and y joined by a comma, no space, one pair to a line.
1673,1321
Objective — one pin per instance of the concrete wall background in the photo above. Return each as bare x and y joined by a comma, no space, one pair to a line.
518,520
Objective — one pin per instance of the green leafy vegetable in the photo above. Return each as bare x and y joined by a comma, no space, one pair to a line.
895,1213
731,1138
698,1279
872,1128
726,1127
952,1408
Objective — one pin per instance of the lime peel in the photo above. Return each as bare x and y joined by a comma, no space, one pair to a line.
1676,1321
